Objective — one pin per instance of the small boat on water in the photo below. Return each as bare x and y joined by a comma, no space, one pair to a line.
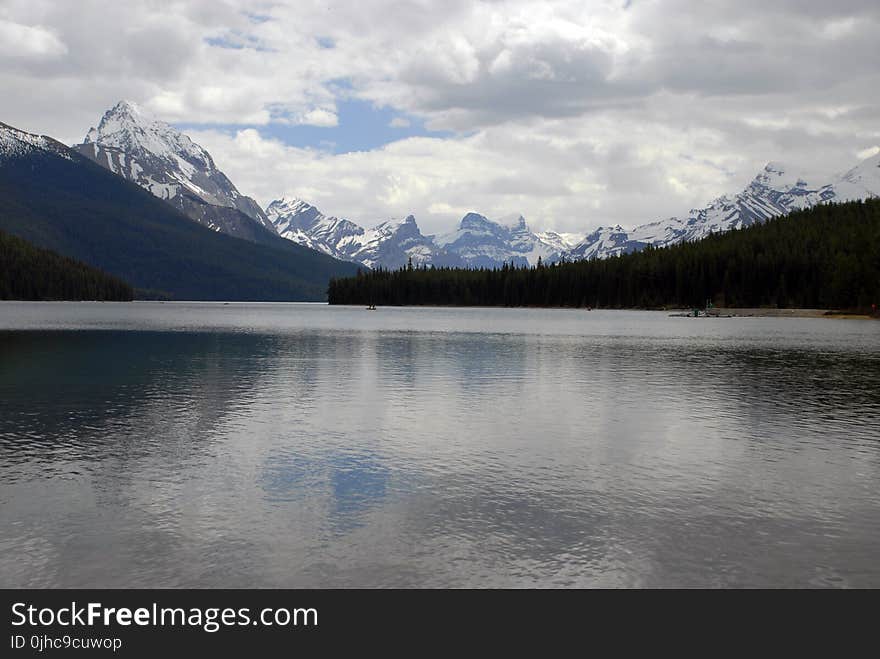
372,307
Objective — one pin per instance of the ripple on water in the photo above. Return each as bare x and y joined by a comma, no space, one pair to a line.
303,445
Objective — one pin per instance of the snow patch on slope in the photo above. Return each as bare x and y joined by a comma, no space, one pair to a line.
158,157
478,241
15,143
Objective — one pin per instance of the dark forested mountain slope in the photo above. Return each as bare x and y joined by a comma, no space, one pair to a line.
824,257
60,200
32,273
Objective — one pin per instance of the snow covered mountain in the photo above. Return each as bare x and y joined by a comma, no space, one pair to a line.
302,223
561,242
56,198
481,242
390,244
169,164
776,190
15,143
860,182
477,242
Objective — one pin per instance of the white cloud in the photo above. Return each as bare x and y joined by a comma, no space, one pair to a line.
319,117
29,41
559,176
574,113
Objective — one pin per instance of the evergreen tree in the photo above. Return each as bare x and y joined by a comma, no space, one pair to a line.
31,273
824,257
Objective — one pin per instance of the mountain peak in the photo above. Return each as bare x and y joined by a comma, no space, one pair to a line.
124,114
128,128
474,221
132,143
861,181
778,176
396,224
292,214
287,204
128,108
513,221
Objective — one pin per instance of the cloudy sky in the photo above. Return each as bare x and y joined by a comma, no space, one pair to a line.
575,113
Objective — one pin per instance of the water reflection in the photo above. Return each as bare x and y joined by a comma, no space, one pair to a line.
355,483
298,448
119,395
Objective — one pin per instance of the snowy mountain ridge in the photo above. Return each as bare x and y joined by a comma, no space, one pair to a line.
131,143
15,142
478,241
163,160
389,244
776,190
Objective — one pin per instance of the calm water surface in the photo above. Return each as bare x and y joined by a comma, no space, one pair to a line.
151,444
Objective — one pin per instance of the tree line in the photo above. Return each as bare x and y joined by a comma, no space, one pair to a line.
31,273
824,257
77,208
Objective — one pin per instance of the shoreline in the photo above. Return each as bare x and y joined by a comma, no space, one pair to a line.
677,312
684,312
758,312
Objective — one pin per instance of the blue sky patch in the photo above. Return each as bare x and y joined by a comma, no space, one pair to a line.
257,18
236,40
361,127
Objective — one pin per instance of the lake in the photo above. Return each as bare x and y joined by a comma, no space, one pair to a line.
156,444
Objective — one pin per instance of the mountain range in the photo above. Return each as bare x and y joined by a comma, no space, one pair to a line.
158,158
55,198
476,242
481,242
161,159
776,190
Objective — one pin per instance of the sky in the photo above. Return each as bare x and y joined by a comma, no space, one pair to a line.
576,114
